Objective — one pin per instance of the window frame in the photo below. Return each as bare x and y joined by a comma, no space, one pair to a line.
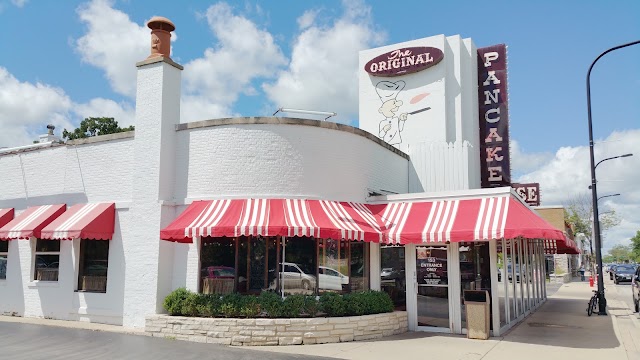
80,271
37,253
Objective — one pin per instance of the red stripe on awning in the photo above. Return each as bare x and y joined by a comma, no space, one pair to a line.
345,220
83,221
6,215
31,221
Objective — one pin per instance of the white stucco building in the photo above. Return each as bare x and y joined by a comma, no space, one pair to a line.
148,181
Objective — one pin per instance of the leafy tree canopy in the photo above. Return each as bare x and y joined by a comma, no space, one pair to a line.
579,214
620,253
94,126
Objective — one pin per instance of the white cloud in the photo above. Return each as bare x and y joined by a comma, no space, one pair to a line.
123,113
322,74
567,174
307,19
522,162
19,3
25,109
242,54
113,43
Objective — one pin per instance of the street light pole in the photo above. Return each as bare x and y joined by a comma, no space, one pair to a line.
594,193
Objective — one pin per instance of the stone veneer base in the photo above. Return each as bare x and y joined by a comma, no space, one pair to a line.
239,332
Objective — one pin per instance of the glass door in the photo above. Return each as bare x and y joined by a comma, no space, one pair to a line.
433,286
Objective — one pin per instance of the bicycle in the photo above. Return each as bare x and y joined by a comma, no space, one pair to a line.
593,303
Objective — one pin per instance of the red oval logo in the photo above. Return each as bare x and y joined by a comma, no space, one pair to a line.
404,61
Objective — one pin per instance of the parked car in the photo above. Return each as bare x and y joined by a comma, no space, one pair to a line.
331,279
624,273
218,272
392,276
292,277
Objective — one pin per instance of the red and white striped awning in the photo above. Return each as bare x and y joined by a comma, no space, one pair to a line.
6,215
479,219
83,221
31,221
456,220
274,217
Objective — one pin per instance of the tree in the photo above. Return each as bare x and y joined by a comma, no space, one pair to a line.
579,213
93,126
635,247
620,253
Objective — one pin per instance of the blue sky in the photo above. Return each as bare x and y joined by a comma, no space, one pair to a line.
59,64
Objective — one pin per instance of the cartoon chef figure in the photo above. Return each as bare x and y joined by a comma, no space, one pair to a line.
391,127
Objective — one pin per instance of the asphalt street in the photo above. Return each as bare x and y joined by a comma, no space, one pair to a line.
34,342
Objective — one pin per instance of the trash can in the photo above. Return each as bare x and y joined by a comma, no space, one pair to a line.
476,303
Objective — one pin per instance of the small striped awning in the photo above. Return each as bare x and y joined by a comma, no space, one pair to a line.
274,217
31,221
6,215
83,221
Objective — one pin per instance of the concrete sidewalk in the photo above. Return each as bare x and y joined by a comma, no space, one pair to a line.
559,329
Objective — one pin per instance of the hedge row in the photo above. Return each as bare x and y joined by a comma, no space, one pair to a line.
271,305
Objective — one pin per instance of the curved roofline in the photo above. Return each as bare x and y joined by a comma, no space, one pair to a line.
271,120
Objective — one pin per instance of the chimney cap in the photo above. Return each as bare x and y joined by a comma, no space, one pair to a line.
160,23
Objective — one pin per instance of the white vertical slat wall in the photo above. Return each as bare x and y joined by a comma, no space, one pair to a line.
444,166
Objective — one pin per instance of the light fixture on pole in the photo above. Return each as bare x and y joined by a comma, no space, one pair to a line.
602,302
328,114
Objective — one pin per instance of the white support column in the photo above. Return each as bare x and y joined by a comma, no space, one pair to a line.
455,295
149,261
374,266
495,294
411,285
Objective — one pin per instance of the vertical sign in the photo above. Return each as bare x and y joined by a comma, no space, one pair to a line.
494,116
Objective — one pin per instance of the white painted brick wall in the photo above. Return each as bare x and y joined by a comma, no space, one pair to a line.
270,160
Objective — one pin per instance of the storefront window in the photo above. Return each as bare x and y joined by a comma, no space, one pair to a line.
333,266
4,251
94,261
503,294
359,266
509,276
298,271
217,265
392,275
296,265
475,270
263,264
47,260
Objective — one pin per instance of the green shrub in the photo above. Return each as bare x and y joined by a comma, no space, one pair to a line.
250,307
333,304
190,305
210,305
293,306
270,304
173,302
311,306
231,305
356,303
378,302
